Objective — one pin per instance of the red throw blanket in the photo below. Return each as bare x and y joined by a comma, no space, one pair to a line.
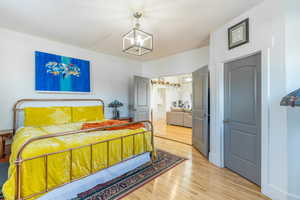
111,123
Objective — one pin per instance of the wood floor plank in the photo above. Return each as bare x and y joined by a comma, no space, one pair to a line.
177,133
195,179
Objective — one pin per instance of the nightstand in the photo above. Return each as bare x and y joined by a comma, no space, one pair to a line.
128,119
4,136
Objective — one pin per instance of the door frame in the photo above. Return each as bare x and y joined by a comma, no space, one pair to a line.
179,74
217,152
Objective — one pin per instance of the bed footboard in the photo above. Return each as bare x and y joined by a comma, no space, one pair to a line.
20,160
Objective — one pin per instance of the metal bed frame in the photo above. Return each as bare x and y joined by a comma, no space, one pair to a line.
19,161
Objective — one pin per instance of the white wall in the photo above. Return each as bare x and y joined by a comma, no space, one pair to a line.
172,93
110,76
186,91
267,35
292,53
292,44
182,63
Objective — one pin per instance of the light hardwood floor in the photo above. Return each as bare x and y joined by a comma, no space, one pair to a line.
195,179
177,133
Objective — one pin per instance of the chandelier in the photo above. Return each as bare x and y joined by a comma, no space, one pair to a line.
136,41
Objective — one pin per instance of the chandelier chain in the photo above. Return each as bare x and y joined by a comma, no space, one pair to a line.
137,16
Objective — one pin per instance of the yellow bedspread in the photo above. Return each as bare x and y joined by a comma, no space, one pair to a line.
33,171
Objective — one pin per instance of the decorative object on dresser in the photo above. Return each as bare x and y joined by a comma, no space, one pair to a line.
238,34
4,136
115,105
54,73
180,104
174,104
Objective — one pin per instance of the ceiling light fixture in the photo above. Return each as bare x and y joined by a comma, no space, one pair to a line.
136,41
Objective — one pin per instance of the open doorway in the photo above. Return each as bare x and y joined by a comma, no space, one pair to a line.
171,105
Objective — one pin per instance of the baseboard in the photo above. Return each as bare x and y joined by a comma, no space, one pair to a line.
275,193
213,158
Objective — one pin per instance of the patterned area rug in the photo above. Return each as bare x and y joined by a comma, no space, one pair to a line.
123,185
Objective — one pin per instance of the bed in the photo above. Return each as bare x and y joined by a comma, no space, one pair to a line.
51,150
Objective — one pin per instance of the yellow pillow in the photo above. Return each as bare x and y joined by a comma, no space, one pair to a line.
46,116
87,113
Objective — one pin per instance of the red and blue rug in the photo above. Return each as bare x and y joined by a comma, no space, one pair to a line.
127,183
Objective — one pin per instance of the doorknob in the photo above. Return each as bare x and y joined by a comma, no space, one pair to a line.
226,121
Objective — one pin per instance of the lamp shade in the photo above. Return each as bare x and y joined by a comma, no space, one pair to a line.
292,99
115,104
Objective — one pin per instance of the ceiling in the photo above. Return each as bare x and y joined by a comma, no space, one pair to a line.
177,25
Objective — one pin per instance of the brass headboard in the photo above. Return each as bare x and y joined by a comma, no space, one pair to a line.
16,108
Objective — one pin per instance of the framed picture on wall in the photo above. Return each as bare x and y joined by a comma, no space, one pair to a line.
54,73
238,34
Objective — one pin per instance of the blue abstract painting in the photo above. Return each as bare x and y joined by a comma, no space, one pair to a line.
56,73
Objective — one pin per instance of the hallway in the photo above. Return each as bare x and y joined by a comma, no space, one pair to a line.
176,133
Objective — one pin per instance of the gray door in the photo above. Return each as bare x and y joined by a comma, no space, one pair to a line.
200,108
141,105
242,117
